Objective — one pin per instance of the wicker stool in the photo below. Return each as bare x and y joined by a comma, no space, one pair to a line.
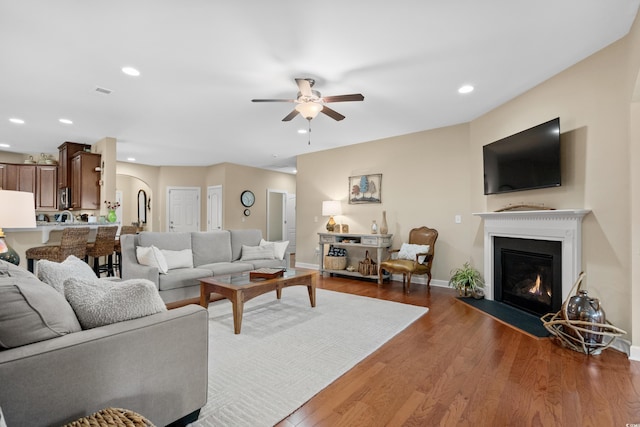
73,242
126,229
112,417
104,245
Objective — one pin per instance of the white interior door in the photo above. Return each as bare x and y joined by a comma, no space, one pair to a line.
290,228
214,208
183,209
276,208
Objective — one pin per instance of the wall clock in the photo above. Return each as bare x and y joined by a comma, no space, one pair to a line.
247,198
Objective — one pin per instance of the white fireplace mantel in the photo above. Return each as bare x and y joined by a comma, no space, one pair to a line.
555,225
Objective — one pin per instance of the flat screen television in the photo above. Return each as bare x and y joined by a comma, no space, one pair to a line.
527,160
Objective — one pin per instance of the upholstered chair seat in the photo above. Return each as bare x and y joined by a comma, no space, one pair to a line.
414,258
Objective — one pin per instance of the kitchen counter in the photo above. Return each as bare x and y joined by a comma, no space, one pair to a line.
47,227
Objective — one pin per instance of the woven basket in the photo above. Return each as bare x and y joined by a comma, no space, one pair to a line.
112,417
335,262
575,334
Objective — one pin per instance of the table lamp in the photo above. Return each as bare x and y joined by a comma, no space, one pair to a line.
331,208
17,210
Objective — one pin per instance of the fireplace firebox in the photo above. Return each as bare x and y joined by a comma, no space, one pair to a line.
528,274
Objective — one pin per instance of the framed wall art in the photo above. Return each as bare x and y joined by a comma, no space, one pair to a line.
365,189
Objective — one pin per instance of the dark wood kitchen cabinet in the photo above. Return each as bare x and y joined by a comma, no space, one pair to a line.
46,187
66,151
85,180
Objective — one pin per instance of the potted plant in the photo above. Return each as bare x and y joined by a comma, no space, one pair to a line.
468,281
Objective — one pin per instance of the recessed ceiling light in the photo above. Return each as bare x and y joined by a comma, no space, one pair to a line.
5,145
16,121
131,159
130,71
65,121
302,131
465,89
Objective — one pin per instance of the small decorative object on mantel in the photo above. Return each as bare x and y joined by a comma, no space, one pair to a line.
374,227
580,324
525,207
384,228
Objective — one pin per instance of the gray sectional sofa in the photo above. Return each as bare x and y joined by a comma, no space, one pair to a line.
213,253
52,372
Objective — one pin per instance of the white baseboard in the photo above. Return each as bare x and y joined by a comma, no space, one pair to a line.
634,352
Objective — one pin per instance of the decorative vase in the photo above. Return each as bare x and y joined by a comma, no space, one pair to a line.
374,227
584,308
384,228
111,216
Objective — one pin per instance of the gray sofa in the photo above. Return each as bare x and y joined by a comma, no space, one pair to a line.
214,253
154,365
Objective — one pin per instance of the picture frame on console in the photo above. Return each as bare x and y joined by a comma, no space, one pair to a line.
365,189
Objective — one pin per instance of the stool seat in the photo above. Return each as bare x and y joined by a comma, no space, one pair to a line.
104,245
72,242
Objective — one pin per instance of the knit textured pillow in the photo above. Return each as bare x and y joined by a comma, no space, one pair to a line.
100,302
55,273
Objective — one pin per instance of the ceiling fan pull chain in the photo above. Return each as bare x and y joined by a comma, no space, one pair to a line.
309,131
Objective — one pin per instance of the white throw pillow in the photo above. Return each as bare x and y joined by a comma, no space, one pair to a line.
279,248
178,259
101,302
409,251
152,257
55,273
252,253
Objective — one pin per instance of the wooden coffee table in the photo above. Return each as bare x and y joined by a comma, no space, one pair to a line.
238,289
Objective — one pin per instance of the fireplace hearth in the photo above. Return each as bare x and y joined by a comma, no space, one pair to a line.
528,274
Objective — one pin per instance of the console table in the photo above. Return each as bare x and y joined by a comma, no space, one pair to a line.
380,242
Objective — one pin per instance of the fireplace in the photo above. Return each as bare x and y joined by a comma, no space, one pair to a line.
528,274
562,226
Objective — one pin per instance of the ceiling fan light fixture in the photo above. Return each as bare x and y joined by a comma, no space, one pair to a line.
309,110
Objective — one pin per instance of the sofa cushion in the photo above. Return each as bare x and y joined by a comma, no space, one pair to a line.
211,246
55,273
171,241
279,248
251,253
152,257
222,268
250,237
178,259
182,277
32,311
99,302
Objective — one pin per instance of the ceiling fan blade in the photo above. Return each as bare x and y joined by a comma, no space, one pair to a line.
273,100
343,98
305,87
332,113
290,116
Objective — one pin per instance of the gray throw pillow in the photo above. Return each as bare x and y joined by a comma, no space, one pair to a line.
253,253
99,302
32,311
55,273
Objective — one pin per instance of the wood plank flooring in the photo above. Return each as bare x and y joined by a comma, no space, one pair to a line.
456,366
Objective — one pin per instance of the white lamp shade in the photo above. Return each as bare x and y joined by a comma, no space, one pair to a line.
309,110
17,209
331,208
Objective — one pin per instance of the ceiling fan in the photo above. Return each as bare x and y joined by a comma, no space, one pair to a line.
310,102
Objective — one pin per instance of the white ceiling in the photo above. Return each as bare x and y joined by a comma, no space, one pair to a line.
202,61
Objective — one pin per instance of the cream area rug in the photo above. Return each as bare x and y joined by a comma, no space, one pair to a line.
288,352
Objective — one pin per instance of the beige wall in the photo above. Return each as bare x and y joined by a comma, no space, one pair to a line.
429,177
425,181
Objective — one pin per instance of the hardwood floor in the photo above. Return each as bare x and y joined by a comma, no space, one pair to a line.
456,366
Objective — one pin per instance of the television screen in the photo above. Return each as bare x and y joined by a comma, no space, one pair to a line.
524,161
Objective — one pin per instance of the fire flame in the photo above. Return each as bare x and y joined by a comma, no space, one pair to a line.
536,289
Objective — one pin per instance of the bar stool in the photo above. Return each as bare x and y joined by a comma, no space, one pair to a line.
104,245
125,229
72,242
